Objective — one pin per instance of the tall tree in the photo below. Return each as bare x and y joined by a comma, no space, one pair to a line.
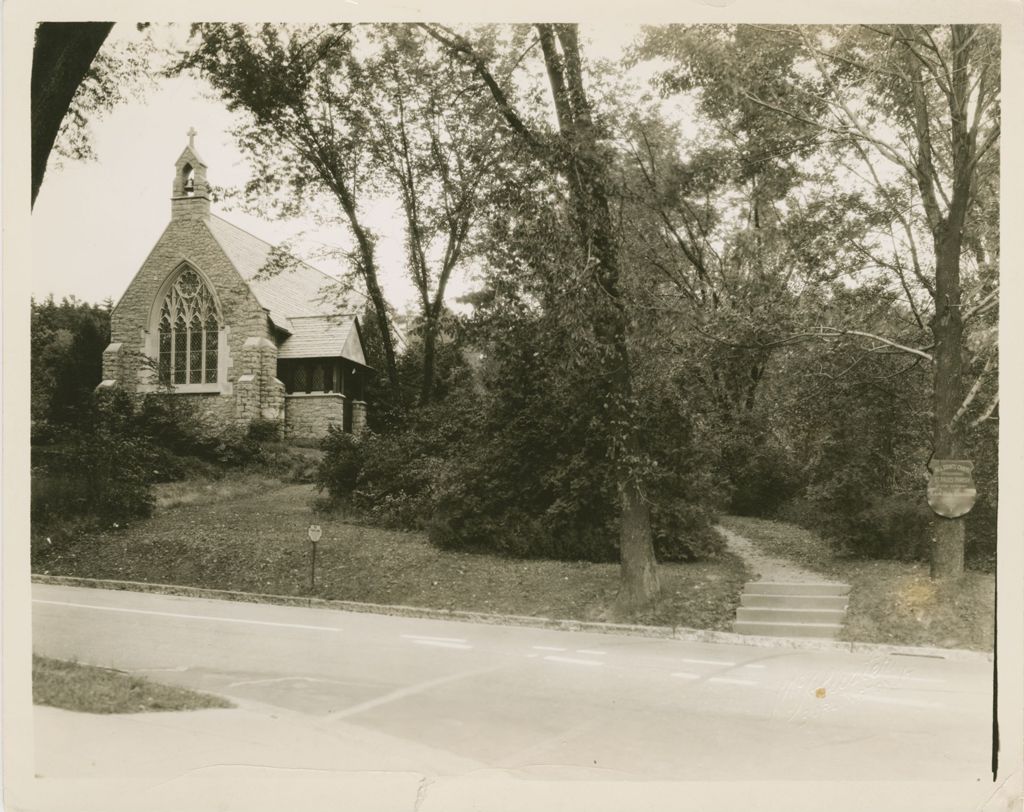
305,129
579,157
914,111
437,144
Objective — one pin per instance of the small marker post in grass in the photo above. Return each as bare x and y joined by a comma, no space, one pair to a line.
314,533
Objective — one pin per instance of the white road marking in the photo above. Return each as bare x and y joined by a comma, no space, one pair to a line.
898,676
548,648
589,651
731,681
188,617
430,637
410,690
890,700
754,665
572,660
270,680
175,669
442,644
706,662
685,675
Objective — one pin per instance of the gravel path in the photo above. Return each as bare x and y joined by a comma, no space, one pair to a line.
767,568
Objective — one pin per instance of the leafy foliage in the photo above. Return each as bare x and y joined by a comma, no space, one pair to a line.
123,69
95,456
515,459
886,104
103,468
67,343
743,313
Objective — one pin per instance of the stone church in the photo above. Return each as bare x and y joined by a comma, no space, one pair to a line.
204,320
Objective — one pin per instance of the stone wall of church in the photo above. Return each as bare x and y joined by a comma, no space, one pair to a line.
247,346
307,416
259,395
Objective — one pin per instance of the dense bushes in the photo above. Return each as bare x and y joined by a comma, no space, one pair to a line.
897,526
514,461
762,475
102,474
67,343
380,478
485,500
101,468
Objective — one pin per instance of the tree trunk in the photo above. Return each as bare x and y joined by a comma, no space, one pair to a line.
639,582
368,270
947,560
578,160
62,56
380,309
429,354
948,552
586,171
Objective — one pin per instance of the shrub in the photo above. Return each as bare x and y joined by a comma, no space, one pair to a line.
980,551
262,431
101,468
99,473
386,480
175,425
894,526
517,462
682,532
762,476
338,471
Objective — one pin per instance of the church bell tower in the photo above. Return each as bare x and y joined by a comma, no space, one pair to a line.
190,196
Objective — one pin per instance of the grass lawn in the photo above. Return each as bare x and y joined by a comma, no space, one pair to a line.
88,689
258,543
204,490
890,601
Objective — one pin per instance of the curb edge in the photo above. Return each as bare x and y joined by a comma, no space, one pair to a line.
635,630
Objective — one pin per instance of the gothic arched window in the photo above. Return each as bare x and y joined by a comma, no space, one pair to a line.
188,332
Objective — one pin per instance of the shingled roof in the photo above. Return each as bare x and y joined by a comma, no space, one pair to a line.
323,337
299,300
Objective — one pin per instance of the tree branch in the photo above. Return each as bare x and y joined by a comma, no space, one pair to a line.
462,48
986,304
973,393
987,413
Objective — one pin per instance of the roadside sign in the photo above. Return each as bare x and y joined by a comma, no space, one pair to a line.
951,491
315,533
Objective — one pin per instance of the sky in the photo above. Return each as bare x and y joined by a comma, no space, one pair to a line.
95,221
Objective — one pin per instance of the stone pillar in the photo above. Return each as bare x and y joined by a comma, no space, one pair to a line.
247,399
260,394
358,416
114,366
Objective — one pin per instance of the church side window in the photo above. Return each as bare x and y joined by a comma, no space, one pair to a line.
188,333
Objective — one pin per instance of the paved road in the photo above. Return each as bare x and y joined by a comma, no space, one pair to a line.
457,697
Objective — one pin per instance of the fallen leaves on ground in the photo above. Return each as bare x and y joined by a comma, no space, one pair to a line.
258,543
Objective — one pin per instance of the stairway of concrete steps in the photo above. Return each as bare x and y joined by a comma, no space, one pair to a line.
803,609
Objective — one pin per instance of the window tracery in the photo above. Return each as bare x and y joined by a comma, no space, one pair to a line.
188,332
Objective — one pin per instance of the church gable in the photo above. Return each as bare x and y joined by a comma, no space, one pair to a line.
186,245
200,320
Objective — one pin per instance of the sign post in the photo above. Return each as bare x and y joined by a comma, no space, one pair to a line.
951,491
314,534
